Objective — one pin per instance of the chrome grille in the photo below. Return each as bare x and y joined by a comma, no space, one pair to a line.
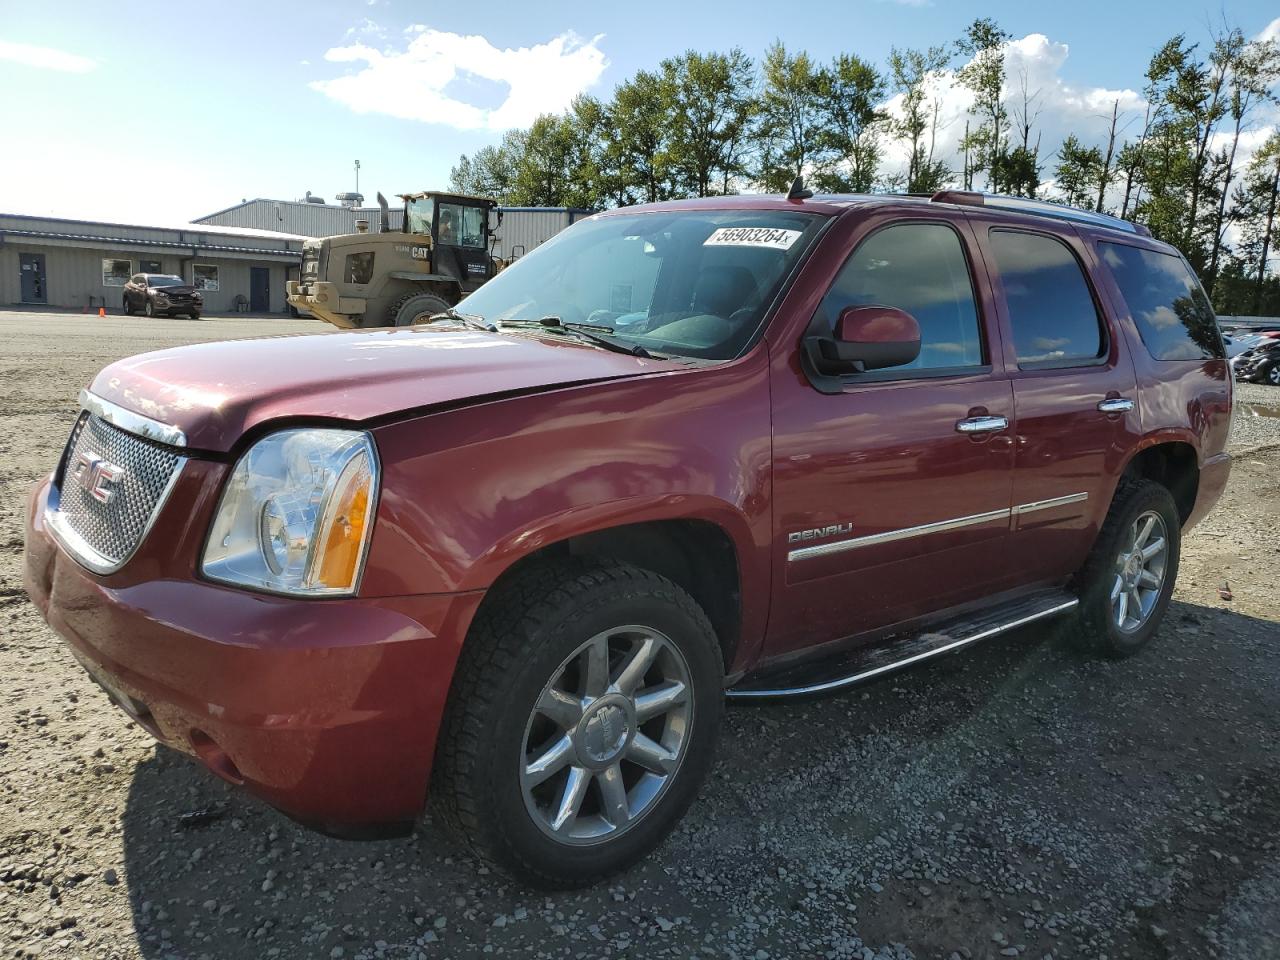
104,534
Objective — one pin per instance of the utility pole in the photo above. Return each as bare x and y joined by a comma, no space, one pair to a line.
357,176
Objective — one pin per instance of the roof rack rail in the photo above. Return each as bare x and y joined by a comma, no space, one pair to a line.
1040,208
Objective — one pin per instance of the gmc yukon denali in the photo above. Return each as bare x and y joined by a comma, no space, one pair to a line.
512,562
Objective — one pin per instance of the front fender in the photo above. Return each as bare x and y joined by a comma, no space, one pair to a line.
468,492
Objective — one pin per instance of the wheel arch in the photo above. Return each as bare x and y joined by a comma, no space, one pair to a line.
1172,460
697,553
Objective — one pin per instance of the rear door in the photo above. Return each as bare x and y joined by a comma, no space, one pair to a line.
1074,392
884,510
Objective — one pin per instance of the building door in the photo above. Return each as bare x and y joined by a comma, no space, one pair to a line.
259,290
34,289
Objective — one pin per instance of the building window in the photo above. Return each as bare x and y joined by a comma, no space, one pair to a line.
204,276
116,273
150,266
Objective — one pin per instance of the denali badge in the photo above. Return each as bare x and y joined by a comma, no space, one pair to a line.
97,476
820,533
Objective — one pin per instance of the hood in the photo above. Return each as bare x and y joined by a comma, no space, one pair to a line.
183,288
214,392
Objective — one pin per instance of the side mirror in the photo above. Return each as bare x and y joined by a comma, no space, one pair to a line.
870,338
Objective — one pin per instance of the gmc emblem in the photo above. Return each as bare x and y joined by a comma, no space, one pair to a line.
97,476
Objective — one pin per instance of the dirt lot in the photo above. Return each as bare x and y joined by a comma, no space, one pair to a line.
1018,800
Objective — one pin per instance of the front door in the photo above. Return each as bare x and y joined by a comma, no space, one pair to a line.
31,266
1074,394
259,290
884,509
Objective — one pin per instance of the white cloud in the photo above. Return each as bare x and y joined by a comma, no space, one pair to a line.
47,58
1271,31
411,83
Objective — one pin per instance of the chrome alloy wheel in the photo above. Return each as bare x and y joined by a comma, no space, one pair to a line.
1140,569
607,735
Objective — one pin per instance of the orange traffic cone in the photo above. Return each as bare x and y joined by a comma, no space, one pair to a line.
102,311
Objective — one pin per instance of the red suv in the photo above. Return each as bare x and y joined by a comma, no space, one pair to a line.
517,557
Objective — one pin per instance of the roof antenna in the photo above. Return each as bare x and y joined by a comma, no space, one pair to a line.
798,191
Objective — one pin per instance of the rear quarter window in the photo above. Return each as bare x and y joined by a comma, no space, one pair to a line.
1166,302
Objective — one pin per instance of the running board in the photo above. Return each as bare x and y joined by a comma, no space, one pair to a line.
867,663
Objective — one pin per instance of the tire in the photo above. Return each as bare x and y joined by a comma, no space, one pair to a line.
411,306
1103,583
1271,376
524,639
195,316
149,309
128,306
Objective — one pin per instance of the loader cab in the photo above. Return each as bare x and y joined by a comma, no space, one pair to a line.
460,226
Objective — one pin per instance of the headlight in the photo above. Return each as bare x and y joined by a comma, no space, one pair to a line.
296,514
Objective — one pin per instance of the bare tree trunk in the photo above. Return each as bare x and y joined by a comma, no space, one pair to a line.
1221,217
1104,177
1266,240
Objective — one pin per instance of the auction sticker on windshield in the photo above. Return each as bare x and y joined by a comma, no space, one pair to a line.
752,237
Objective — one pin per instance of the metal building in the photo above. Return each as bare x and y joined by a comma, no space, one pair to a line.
84,264
522,229
299,217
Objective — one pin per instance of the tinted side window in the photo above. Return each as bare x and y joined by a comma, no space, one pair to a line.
1166,302
1051,310
919,268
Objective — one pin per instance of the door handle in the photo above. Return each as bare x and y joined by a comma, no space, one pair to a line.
1115,405
982,424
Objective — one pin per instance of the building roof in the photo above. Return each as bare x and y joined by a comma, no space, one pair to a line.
186,235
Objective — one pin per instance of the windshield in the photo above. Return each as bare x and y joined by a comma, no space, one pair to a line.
417,215
692,283
163,281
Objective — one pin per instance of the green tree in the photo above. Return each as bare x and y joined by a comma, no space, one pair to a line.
1252,71
911,72
850,90
489,172
1077,172
712,104
792,119
641,115
1255,214
983,42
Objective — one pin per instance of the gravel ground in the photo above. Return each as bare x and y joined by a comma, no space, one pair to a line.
1017,800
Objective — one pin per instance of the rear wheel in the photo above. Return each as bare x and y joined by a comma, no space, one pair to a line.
414,308
1126,583
581,723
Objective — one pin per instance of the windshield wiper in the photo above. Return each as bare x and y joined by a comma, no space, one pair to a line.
596,333
469,319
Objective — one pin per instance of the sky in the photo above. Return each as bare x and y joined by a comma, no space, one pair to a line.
147,113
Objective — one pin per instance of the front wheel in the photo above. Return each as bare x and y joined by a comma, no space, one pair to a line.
1272,376
414,308
149,309
128,306
1126,584
581,723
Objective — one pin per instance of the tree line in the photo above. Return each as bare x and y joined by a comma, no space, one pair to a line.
703,124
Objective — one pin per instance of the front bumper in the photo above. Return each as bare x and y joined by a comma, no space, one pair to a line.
327,709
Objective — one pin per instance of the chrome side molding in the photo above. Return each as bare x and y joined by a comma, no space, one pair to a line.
905,533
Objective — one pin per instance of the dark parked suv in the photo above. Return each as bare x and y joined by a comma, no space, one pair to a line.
162,293
516,558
